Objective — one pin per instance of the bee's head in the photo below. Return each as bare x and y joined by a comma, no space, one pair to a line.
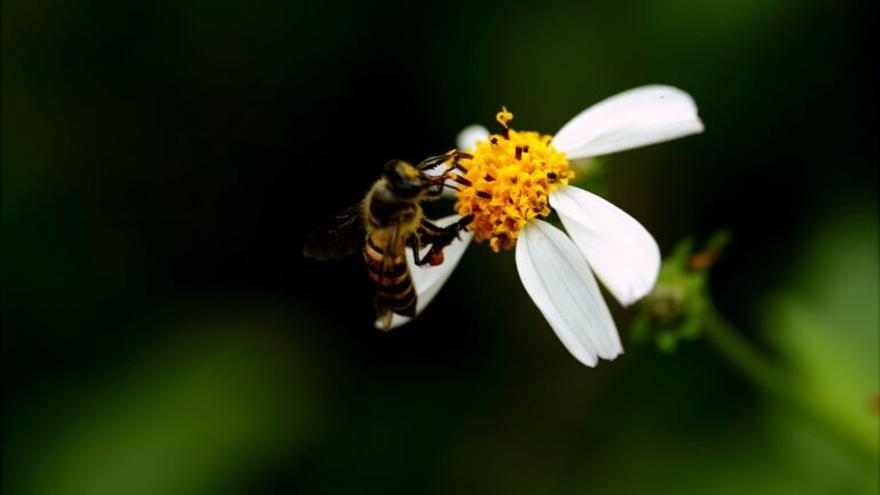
405,180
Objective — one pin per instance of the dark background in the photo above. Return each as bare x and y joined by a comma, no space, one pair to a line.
163,162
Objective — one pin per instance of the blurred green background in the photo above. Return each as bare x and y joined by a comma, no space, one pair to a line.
163,161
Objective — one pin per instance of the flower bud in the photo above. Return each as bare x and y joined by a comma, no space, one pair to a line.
673,311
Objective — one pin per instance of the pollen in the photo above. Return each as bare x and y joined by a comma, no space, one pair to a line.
503,117
509,180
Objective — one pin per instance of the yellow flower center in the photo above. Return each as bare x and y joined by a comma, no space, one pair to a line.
509,180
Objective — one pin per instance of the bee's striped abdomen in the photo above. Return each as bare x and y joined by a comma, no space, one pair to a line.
390,275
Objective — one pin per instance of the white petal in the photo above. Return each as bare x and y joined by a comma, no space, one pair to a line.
559,281
619,250
428,279
634,118
469,136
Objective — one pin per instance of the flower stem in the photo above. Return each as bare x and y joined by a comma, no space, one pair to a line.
728,341
781,384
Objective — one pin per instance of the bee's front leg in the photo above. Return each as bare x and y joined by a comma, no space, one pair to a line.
437,182
452,156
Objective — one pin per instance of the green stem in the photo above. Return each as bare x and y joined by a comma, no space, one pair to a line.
730,343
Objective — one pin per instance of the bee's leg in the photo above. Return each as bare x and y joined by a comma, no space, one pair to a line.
456,161
429,228
415,244
435,161
452,159
439,238
442,181
436,190
433,257
452,229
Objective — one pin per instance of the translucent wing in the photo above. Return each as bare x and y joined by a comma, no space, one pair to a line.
339,237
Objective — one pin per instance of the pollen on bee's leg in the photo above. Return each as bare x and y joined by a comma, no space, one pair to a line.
436,258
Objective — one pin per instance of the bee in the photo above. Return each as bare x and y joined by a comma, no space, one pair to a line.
388,221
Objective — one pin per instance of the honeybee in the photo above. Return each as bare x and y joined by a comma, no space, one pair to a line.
388,221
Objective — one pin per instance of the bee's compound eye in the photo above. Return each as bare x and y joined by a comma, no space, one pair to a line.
392,169
404,179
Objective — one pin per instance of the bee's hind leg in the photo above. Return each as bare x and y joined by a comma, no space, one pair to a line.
439,238
415,245
430,258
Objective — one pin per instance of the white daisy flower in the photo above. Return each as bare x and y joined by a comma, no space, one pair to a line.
514,179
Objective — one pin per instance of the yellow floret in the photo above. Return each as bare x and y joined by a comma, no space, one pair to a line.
510,179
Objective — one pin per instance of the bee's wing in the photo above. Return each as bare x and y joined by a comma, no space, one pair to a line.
339,237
